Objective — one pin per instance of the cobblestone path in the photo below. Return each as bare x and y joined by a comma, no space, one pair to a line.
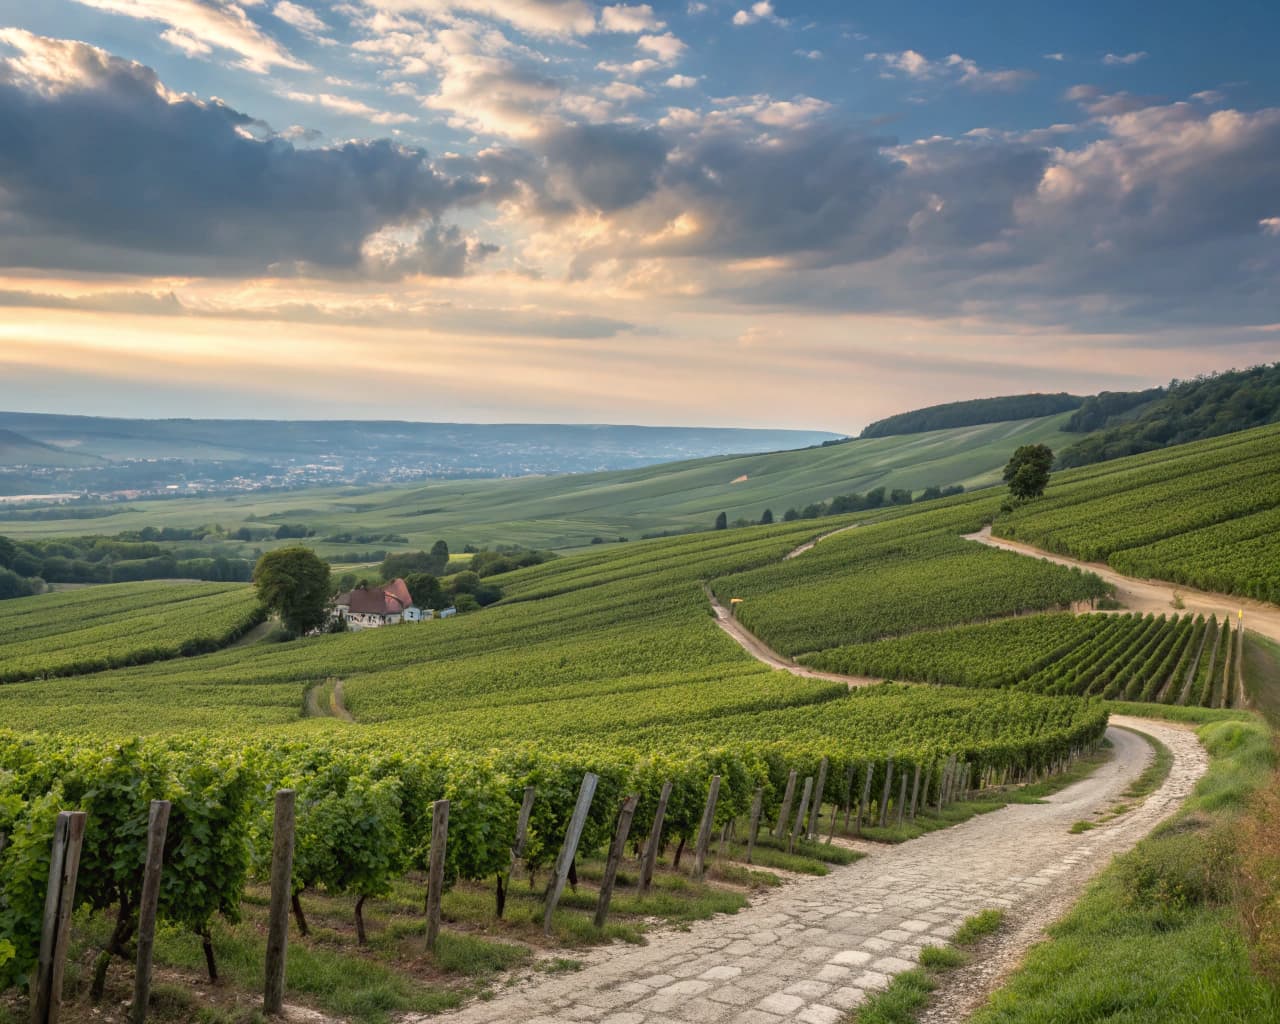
813,949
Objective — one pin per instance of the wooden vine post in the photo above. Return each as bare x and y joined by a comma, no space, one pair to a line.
655,839
616,850
281,894
864,807
435,868
800,812
915,791
704,830
157,827
884,797
55,928
784,812
816,811
569,850
757,802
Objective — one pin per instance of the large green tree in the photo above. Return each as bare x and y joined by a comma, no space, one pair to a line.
294,583
1027,471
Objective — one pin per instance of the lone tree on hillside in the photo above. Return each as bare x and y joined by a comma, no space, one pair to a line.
1027,471
767,518
294,583
439,558
722,521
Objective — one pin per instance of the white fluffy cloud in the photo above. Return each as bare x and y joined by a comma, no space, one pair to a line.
666,47
915,65
195,27
1120,59
762,10
630,18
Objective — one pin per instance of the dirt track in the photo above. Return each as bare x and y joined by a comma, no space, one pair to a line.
1141,595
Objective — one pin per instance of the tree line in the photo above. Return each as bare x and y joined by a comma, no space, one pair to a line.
842,504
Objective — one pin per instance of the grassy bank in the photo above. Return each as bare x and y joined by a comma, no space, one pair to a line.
1161,936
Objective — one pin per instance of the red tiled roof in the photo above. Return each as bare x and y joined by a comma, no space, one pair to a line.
391,599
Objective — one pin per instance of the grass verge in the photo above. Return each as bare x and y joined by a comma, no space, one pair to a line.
908,993
1157,937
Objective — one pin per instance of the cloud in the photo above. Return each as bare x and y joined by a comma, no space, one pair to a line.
1104,104
1270,226
178,185
760,11
194,25
374,313
1119,59
303,19
623,92
809,54
680,82
550,18
1059,57
630,18
915,65
666,47
606,167
188,44
350,107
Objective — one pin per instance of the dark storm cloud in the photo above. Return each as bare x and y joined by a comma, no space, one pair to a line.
100,168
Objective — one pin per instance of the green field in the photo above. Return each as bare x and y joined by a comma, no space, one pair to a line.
570,511
94,628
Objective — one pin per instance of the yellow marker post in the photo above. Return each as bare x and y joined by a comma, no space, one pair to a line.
735,600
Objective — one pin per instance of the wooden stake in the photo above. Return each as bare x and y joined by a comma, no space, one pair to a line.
816,811
757,801
902,798
281,892
704,831
569,849
784,814
915,791
884,797
800,812
435,868
157,826
864,805
55,930
616,849
522,827
655,839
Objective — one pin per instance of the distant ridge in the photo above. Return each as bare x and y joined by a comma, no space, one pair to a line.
18,449
1129,423
973,413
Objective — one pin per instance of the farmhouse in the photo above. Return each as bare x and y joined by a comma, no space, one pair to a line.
370,607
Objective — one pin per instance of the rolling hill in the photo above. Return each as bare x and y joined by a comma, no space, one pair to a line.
569,511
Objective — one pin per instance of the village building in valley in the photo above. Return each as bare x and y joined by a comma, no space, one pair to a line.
370,607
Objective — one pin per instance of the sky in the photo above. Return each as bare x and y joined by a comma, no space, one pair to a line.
778,214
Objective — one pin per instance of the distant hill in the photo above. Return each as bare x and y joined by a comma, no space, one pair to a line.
572,510
383,449
972,413
19,450
1128,423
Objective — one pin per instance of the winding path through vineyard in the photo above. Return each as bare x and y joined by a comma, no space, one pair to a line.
1141,595
813,949
765,654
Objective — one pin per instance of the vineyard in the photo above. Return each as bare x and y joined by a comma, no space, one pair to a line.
1167,659
365,799
1202,514
81,631
607,663
909,573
